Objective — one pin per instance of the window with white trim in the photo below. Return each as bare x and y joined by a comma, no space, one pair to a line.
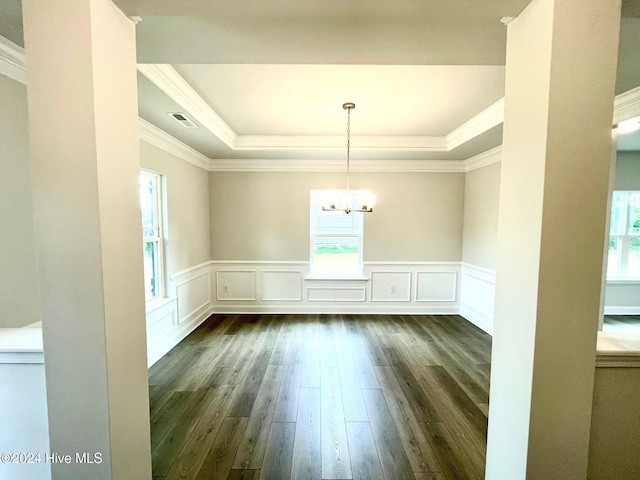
151,206
336,237
624,236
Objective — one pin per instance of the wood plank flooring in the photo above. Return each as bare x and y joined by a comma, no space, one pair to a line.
320,397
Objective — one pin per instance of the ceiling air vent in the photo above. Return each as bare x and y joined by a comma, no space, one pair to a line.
183,120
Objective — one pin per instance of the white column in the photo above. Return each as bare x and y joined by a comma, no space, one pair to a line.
561,65
81,87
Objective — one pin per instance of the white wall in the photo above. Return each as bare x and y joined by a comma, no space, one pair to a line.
260,243
481,200
480,245
18,285
187,251
264,216
187,208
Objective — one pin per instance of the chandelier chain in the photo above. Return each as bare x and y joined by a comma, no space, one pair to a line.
348,143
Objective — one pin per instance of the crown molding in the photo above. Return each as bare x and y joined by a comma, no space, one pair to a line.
171,82
12,61
296,165
274,165
488,118
161,139
12,65
626,105
301,142
411,166
288,142
483,159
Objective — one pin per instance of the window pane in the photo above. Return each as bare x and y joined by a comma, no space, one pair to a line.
334,222
634,213
151,270
633,265
614,256
148,205
618,213
335,256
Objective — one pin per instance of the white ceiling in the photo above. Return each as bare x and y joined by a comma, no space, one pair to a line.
267,79
307,99
366,32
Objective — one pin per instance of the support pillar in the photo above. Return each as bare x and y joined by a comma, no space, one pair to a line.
560,76
83,125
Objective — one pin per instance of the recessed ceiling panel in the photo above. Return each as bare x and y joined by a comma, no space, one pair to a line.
307,99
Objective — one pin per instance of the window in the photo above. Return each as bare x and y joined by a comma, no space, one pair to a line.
150,203
336,238
624,236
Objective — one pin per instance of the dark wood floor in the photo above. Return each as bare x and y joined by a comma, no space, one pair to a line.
323,397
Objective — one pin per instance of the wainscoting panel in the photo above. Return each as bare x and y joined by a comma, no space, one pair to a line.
478,289
287,287
236,285
337,294
193,295
436,286
187,306
282,285
390,286
161,319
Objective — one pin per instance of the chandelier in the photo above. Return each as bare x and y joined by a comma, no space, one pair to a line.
364,199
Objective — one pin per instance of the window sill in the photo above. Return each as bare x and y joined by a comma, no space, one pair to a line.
337,279
624,281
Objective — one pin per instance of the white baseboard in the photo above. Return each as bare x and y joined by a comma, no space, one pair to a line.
338,309
479,319
173,337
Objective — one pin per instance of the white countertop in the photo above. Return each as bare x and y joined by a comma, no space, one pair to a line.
618,349
21,345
